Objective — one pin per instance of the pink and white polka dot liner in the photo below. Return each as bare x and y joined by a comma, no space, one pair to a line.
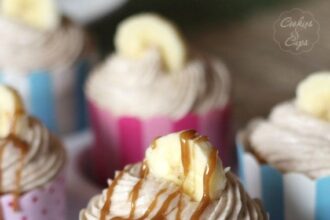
46,203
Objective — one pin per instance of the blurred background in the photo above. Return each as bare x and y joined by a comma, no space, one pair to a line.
238,31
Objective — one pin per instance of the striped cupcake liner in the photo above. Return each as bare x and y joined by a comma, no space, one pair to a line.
47,202
123,140
55,97
289,196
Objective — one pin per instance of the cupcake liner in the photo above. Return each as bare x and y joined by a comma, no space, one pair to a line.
289,196
46,203
55,97
122,140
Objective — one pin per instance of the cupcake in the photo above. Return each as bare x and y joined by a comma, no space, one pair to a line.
285,159
31,164
181,177
153,84
46,59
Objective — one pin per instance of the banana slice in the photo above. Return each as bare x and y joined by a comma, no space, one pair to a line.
13,119
190,161
139,33
40,14
313,95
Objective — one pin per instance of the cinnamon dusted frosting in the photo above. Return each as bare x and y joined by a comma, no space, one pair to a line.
37,158
160,200
141,87
293,141
24,49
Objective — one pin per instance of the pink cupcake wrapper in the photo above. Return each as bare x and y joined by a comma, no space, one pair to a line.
46,203
121,140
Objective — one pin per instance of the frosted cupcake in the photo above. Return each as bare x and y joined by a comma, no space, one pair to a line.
31,165
153,84
46,59
181,177
285,160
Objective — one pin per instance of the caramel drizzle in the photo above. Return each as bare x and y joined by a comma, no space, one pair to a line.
149,210
186,162
178,213
152,205
137,187
154,143
185,151
107,205
2,150
23,147
208,173
161,212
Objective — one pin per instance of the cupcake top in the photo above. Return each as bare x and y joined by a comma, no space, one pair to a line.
30,156
36,38
296,137
153,73
181,178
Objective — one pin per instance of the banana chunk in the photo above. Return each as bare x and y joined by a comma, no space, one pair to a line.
40,14
190,161
13,118
313,95
138,33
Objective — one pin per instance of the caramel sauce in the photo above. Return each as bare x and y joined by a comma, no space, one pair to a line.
178,213
154,144
23,147
144,171
106,208
152,205
162,211
200,139
2,150
209,171
136,189
185,151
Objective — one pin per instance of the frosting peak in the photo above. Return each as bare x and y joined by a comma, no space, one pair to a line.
141,87
305,137
25,49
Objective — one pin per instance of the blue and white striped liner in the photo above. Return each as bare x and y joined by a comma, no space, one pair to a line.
285,196
56,98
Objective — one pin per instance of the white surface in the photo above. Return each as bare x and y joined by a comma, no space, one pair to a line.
80,190
85,11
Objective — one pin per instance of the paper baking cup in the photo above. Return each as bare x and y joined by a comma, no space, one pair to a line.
123,140
56,98
289,196
46,203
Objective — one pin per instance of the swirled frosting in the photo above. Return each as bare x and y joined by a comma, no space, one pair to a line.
142,88
24,49
233,204
38,157
293,141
